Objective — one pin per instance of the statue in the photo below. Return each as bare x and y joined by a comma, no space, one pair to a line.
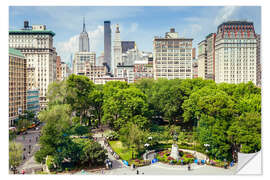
174,152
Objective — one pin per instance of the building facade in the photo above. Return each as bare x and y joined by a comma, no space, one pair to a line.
194,68
80,59
210,56
65,71
36,44
143,70
33,101
202,59
259,69
58,69
93,72
236,52
17,85
172,56
126,72
107,44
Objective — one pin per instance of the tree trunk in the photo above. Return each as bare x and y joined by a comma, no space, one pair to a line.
99,119
80,118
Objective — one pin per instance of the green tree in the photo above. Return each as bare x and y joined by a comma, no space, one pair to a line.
79,88
96,98
211,110
125,105
133,137
91,153
57,93
245,132
55,133
15,155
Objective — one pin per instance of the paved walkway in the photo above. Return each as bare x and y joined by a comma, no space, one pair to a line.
115,163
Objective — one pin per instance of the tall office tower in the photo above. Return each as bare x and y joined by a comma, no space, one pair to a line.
202,59
236,52
107,44
17,85
84,40
259,70
36,44
172,56
117,51
58,69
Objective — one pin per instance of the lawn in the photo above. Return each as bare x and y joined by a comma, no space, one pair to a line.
122,151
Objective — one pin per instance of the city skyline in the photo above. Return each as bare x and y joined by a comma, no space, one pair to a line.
138,23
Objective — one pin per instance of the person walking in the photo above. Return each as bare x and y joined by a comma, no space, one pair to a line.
23,172
137,171
189,167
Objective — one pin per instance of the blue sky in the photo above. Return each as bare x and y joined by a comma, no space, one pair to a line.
137,23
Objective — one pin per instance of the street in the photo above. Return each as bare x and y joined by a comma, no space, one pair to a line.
30,146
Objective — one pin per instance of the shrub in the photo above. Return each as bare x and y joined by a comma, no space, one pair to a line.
112,136
170,158
50,163
188,156
181,153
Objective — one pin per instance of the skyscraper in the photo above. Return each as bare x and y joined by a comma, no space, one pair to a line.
117,52
84,40
107,45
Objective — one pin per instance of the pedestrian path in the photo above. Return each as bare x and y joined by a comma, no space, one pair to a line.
115,163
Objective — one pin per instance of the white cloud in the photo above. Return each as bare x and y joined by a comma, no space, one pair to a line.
66,48
225,14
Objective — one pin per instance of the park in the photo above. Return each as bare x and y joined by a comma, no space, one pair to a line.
152,126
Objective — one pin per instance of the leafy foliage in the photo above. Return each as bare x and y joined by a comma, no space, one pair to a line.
15,154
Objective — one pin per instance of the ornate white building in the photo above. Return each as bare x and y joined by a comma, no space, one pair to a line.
236,52
36,44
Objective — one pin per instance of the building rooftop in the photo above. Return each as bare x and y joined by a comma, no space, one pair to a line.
164,38
29,31
236,23
15,52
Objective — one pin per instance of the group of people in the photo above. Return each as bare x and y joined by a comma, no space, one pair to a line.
108,164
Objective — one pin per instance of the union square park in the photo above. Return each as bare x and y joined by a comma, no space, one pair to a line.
150,127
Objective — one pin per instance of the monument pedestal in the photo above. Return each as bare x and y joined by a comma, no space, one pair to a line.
175,153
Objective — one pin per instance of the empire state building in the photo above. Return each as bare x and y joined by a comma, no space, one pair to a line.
84,40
